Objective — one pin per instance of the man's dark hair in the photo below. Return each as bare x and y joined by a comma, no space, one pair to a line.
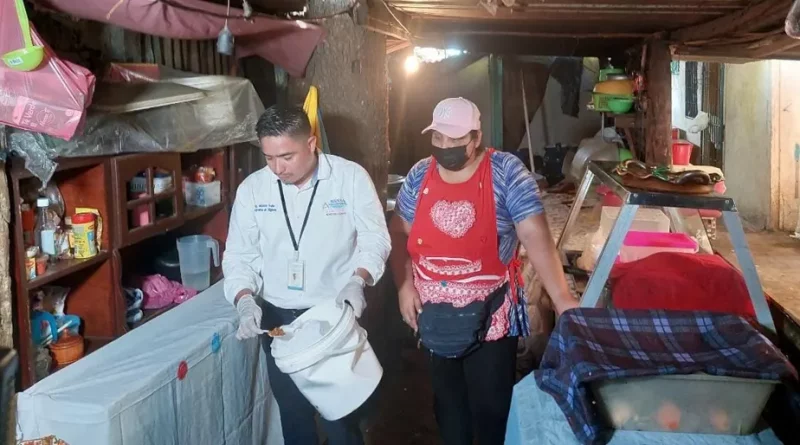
279,120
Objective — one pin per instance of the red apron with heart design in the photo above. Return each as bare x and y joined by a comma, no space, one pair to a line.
453,243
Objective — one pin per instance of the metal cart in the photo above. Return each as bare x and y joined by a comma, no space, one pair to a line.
670,202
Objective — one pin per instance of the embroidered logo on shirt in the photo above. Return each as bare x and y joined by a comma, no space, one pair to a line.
453,218
335,207
266,208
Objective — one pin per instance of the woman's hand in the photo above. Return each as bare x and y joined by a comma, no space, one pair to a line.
410,307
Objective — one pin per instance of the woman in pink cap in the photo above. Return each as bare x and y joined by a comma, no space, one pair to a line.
459,219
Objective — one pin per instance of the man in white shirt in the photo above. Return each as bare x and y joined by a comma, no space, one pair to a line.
306,229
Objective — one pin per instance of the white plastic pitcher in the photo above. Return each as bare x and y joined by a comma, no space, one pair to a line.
193,257
337,371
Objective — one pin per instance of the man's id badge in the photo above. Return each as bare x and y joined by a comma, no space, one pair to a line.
296,278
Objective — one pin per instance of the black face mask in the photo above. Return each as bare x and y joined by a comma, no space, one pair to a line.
452,158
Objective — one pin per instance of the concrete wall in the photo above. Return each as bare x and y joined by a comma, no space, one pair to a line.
748,133
762,139
786,145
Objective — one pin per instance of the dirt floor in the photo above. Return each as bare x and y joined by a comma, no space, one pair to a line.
777,259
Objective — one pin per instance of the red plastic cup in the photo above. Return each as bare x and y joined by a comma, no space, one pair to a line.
681,152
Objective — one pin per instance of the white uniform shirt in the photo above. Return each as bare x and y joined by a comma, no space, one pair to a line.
346,230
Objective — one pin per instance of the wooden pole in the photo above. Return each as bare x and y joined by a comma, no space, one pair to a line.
658,122
527,123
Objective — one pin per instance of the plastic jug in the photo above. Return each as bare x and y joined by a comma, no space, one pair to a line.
193,259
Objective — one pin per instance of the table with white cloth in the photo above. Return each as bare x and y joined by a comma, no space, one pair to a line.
536,419
129,392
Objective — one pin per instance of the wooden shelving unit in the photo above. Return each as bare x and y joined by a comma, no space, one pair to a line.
127,247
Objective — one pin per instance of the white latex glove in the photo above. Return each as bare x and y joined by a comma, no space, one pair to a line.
353,293
249,318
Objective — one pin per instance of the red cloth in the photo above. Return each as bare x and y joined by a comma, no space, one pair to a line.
453,243
681,281
51,99
286,43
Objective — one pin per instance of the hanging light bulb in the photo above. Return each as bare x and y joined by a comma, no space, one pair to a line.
225,37
225,41
411,64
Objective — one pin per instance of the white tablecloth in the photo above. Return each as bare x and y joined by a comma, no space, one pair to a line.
128,392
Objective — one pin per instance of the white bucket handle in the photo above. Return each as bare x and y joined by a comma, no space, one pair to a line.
362,340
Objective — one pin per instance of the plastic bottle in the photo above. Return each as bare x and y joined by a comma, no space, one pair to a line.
44,231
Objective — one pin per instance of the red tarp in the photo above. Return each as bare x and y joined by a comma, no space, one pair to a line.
286,43
51,99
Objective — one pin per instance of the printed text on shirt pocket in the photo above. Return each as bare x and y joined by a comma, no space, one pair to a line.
335,207
266,208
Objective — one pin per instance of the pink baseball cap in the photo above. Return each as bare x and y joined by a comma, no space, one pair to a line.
455,117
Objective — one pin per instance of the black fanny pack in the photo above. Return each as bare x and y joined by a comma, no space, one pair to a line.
453,332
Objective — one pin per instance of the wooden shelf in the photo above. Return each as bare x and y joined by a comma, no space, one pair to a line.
166,194
149,314
96,293
94,343
194,212
66,267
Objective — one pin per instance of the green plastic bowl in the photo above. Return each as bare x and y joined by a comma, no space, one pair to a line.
620,106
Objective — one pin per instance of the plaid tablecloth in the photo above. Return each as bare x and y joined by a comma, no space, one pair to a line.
598,344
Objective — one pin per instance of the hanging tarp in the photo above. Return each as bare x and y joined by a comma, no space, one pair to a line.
225,114
50,99
286,43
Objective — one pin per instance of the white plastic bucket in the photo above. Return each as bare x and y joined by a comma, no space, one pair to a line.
337,372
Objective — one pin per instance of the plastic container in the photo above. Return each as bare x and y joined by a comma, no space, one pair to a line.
681,152
194,261
638,245
335,369
84,235
646,220
161,183
600,100
620,106
694,403
30,262
202,194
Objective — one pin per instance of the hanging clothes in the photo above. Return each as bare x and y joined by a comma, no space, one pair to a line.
568,71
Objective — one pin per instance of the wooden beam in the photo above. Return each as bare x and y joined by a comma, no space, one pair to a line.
766,48
793,21
564,46
386,28
555,35
748,18
658,102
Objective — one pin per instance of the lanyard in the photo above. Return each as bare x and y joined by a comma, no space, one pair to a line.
296,241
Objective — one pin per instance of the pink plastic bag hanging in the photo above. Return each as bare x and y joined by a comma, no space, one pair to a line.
51,99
